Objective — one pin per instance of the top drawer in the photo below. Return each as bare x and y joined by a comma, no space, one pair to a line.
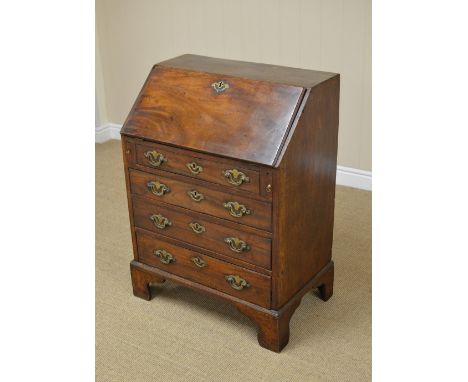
222,171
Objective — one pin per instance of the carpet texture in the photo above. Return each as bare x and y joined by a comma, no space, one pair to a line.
182,335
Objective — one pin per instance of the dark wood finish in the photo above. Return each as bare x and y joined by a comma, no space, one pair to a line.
251,70
212,169
272,325
278,125
212,204
248,121
266,177
212,274
128,150
326,281
305,195
141,281
273,329
163,275
211,236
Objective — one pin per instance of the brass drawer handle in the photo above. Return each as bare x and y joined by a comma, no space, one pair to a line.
160,221
236,177
197,227
164,256
156,159
199,262
237,282
194,168
236,209
157,188
196,196
236,244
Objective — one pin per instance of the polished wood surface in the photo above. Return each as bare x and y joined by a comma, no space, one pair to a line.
212,202
305,195
141,281
210,170
247,121
209,236
266,179
128,151
212,274
279,127
254,71
272,325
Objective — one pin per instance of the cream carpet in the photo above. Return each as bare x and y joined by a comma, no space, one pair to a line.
182,335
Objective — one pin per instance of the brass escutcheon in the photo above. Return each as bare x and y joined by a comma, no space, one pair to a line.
157,188
164,256
237,282
155,158
194,168
220,86
236,209
160,221
236,177
196,196
199,262
236,244
197,227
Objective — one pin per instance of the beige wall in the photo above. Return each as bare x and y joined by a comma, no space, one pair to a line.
329,35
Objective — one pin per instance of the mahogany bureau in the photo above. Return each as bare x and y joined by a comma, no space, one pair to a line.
230,169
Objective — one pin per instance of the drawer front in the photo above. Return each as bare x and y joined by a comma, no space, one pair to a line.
194,229
203,269
224,172
201,199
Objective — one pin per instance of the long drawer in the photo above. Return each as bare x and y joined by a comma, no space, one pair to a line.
228,278
202,199
195,229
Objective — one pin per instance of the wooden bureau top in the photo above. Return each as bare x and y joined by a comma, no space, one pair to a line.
251,70
222,107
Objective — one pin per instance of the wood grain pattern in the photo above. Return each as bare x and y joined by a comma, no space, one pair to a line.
128,153
212,170
266,178
211,237
212,202
272,325
331,36
291,200
248,121
305,195
251,70
163,275
212,275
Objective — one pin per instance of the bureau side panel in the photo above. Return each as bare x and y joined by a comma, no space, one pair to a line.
305,194
129,155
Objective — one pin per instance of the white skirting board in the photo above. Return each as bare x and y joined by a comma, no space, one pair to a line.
345,176
107,132
352,177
